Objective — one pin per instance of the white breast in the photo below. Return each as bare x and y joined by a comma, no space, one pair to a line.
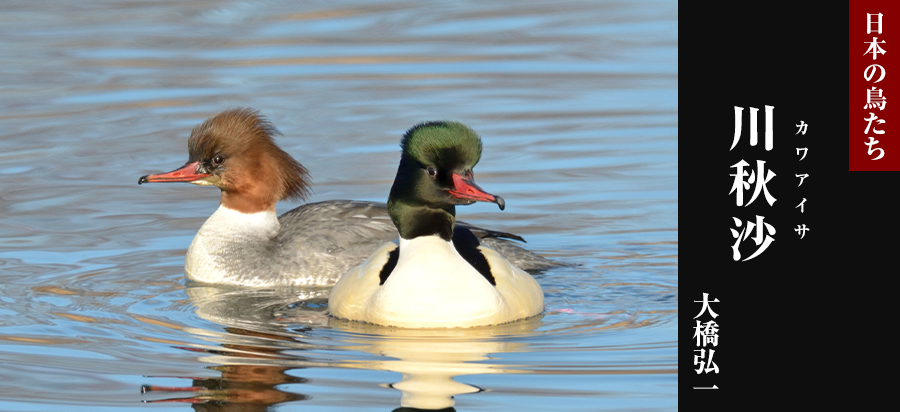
226,242
432,285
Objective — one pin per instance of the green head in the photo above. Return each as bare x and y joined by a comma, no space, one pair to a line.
434,176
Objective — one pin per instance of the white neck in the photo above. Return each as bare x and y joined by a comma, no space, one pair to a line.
229,222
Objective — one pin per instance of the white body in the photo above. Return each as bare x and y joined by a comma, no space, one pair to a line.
433,286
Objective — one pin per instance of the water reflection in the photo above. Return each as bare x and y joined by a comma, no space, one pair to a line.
249,353
241,387
266,335
429,359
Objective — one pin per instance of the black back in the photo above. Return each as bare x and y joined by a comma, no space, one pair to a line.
389,266
467,246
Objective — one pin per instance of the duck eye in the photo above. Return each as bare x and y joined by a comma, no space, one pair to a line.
431,171
218,160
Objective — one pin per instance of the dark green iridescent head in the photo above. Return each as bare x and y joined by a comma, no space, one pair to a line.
449,144
434,176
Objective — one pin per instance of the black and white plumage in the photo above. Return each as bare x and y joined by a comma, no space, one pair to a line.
440,275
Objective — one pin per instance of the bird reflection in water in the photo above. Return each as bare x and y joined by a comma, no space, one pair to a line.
254,364
241,387
429,360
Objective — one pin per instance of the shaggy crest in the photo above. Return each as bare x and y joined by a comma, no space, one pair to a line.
251,135
442,142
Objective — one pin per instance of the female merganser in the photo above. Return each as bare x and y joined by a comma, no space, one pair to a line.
438,276
244,243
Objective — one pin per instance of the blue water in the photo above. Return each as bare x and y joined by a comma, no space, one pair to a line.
576,102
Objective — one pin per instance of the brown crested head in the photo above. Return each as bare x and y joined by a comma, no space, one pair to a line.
236,148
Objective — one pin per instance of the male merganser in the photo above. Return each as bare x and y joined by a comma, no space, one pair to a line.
438,276
244,243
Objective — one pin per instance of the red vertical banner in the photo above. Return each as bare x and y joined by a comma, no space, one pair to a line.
874,70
